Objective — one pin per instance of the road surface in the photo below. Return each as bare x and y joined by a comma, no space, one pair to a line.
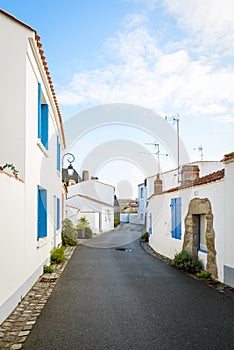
115,299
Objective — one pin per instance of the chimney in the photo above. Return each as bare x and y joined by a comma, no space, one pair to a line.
190,173
85,175
157,184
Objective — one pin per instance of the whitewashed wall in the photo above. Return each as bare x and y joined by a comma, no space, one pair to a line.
93,218
228,230
12,247
93,189
21,69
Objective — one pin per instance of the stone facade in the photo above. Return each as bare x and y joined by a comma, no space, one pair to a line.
197,207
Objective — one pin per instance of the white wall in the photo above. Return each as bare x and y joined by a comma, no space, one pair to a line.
228,222
93,189
12,238
13,43
21,69
93,218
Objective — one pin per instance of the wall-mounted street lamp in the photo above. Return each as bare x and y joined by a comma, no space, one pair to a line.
70,176
70,160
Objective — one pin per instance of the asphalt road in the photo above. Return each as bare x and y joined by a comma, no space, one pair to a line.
114,299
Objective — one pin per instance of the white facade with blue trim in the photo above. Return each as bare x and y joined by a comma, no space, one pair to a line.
31,136
203,212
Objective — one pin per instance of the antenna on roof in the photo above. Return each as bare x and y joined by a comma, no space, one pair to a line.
156,151
200,149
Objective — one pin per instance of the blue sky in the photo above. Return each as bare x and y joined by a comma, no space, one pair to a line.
165,55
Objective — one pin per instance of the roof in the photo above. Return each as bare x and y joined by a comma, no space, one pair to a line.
217,175
228,157
91,199
11,175
43,58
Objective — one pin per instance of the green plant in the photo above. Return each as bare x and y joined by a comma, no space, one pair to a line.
116,221
184,261
204,275
48,269
83,224
12,167
145,237
67,241
88,232
57,255
68,229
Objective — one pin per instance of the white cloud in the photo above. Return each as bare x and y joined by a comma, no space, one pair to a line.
225,119
210,21
143,73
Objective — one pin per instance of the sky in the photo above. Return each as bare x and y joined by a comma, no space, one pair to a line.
174,58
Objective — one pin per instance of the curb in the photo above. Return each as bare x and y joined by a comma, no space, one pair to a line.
218,286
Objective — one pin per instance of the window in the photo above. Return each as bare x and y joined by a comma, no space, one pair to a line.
58,154
142,192
43,119
201,232
176,218
58,214
41,213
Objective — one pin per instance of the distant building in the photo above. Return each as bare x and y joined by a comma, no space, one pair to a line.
95,201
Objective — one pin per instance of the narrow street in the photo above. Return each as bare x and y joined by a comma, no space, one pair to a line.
126,299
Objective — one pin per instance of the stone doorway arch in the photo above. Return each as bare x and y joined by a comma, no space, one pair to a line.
201,206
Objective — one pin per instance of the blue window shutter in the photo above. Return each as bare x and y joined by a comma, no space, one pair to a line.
58,214
173,217
44,125
176,217
42,213
39,111
58,154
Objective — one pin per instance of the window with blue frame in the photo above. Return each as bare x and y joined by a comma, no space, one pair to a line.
58,214
58,154
43,119
201,232
41,213
176,218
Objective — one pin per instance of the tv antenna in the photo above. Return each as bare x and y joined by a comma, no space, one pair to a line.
176,119
200,149
156,151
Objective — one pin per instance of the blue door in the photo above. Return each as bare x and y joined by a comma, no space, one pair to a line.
176,217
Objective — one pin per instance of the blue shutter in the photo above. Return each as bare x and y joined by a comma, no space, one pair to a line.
176,217
58,154
58,214
42,213
44,125
39,111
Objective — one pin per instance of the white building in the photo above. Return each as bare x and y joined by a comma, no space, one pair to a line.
31,138
95,201
197,216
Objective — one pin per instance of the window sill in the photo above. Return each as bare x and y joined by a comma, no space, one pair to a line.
202,251
42,148
41,242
